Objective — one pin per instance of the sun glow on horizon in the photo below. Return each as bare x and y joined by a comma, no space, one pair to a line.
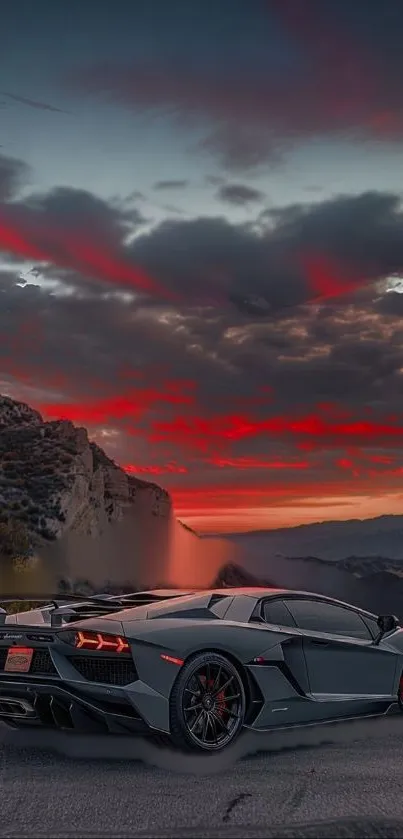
302,511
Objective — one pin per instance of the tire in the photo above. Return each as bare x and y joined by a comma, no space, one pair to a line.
207,704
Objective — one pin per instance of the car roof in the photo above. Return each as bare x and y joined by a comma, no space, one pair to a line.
201,599
239,591
165,592
258,593
252,591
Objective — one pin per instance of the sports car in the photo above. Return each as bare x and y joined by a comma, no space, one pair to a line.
197,668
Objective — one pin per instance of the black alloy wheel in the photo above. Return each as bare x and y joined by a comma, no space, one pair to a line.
208,703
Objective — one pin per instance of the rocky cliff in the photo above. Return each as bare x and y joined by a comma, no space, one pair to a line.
55,480
85,517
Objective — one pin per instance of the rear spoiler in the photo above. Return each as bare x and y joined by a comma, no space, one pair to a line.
80,607
52,600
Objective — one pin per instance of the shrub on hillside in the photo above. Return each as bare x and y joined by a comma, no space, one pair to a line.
15,542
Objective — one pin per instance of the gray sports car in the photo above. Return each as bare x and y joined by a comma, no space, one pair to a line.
197,667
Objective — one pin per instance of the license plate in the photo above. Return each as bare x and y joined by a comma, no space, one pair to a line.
18,660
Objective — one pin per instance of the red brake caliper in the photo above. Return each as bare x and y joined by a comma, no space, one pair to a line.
400,694
222,706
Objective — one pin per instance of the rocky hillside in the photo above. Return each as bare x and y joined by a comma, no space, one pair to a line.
232,575
53,479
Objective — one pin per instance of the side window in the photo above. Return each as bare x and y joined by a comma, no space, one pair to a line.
318,616
372,625
275,611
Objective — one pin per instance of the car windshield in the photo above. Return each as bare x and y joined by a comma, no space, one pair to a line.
201,417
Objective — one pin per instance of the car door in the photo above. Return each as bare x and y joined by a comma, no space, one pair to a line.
341,658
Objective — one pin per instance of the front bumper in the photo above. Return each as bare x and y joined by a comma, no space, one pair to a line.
53,706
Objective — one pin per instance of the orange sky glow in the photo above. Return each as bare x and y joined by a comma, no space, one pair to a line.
208,512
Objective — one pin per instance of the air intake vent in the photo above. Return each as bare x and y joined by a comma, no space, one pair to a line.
42,664
109,671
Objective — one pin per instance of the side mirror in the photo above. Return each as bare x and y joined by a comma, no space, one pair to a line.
386,623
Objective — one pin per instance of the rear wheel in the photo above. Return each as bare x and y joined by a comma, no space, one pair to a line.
400,694
208,704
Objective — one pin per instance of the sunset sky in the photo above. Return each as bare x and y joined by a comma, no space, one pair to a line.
201,246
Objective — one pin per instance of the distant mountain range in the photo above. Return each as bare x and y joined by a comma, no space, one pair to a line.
332,541
356,561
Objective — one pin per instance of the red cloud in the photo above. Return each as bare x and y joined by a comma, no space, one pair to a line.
256,463
167,469
128,407
200,434
328,277
361,464
73,250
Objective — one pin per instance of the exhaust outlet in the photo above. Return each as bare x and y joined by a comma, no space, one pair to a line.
16,708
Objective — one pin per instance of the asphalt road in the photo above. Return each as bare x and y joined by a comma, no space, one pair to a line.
102,788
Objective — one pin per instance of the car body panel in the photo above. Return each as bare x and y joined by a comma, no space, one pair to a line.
351,667
293,675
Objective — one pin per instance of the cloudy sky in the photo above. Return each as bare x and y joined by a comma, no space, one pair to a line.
201,245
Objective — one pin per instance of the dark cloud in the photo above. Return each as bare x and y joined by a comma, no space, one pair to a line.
107,361
200,257
200,378
171,184
239,194
390,304
304,252
14,173
33,103
245,148
75,209
222,409
294,255
74,231
276,78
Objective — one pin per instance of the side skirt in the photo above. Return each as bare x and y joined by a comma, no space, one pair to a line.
392,710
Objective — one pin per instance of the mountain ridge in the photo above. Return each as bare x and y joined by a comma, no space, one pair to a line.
381,536
393,517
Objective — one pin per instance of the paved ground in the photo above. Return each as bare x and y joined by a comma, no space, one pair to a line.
98,789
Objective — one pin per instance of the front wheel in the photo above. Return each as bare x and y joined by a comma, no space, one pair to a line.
207,704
